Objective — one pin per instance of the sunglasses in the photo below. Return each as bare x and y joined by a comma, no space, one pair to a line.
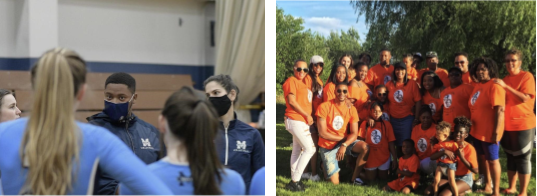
459,62
318,64
511,61
382,94
298,69
344,91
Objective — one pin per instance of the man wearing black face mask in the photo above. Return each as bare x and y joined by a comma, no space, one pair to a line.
239,146
141,137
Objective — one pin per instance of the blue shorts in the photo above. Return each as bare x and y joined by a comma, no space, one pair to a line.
466,178
490,150
452,166
328,157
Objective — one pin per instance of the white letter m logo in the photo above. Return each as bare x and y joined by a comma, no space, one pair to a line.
241,145
145,142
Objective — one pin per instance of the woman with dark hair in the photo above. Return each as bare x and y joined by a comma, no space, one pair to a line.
404,94
337,75
189,126
519,121
487,105
50,153
314,74
239,146
8,106
359,92
347,60
466,160
431,88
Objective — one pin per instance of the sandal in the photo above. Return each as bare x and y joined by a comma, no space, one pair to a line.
506,192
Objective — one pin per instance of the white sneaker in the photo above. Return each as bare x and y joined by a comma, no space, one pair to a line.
480,180
306,175
358,182
315,178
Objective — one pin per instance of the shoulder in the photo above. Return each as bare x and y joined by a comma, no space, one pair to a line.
244,128
290,80
146,125
14,126
232,174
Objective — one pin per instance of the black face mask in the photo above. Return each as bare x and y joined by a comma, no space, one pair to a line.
221,104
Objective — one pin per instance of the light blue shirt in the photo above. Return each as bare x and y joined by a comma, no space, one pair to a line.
178,179
98,146
257,187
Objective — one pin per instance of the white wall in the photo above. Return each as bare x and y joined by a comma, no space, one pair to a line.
127,31
138,31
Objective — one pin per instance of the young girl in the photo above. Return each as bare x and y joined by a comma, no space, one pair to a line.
380,95
380,140
446,165
431,88
421,134
359,92
189,125
408,170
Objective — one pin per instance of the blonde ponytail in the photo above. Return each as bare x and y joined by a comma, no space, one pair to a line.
51,142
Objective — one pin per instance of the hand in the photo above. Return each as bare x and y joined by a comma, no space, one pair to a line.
449,154
349,103
310,120
415,122
460,152
433,141
494,138
500,82
370,122
394,164
341,153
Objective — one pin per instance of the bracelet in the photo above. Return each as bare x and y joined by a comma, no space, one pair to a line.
344,145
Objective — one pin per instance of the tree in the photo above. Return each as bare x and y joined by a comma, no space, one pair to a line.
479,28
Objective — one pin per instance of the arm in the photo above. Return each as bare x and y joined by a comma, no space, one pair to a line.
466,163
499,124
417,114
520,95
350,138
405,173
394,154
291,99
321,125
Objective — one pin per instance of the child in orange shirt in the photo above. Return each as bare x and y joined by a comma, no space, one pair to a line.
407,171
446,166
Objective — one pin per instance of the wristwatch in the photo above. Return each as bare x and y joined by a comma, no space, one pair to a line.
344,145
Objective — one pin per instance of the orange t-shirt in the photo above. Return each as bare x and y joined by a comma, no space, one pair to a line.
328,92
379,75
411,164
361,95
421,139
467,79
471,156
317,96
377,138
364,112
442,74
447,145
402,98
482,102
337,118
303,96
455,102
518,115
434,103
351,74
412,74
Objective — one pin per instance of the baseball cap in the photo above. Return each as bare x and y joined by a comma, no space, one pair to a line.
399,65
431,54
316,59
417,54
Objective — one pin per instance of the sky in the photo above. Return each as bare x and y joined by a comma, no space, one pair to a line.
326,16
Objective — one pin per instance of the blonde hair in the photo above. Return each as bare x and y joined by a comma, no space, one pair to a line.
51,141
444,127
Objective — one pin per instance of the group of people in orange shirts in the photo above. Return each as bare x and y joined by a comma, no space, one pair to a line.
428,123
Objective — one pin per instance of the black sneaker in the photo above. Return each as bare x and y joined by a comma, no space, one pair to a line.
302,184
294,186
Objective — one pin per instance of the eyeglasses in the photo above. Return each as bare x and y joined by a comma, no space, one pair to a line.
298,69
512,61
344,91
382,94
459,62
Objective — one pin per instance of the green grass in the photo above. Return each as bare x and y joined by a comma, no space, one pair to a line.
283,174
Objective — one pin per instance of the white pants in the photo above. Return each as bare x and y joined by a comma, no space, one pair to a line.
303,147
427,165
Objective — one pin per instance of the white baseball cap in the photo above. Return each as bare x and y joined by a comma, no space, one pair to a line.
316,59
